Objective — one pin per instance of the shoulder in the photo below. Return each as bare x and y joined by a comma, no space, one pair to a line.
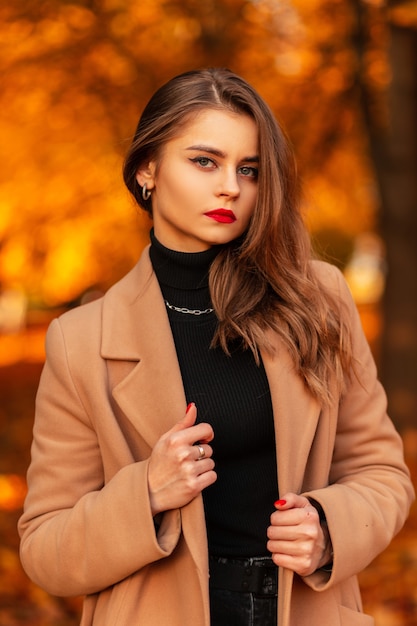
88,318
330,278
93,327
83,313
76,330
325,272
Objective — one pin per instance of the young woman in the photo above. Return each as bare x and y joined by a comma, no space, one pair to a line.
260,501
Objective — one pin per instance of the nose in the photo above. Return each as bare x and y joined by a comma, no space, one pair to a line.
229,185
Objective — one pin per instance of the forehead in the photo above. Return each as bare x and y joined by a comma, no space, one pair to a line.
218,126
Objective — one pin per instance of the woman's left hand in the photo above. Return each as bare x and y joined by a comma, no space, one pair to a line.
296,538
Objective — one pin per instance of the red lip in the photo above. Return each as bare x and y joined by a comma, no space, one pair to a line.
224,216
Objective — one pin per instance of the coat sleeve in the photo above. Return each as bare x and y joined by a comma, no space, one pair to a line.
80,533
369,493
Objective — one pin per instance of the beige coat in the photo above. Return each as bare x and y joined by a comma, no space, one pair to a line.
110,387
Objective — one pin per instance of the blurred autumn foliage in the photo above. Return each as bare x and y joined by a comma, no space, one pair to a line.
340,75
75,78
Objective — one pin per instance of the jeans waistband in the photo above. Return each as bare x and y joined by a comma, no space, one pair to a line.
258,575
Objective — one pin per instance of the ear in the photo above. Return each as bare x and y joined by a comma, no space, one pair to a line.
146,174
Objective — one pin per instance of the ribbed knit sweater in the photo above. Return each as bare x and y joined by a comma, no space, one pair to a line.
232,394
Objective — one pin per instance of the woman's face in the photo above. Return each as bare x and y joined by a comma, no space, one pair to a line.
204,182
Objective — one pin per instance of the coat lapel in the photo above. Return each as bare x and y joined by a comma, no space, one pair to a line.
296,415
136,333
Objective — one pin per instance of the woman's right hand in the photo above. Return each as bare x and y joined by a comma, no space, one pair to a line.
176,472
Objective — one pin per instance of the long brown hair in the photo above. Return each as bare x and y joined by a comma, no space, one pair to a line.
266,280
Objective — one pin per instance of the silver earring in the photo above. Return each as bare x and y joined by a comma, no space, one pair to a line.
146,193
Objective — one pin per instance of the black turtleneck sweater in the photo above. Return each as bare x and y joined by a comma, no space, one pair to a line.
232,394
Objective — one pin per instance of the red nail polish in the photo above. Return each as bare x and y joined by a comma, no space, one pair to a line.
280,503
189,406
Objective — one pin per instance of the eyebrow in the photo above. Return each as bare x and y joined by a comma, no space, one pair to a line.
219,153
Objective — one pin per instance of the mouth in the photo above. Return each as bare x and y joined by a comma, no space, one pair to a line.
224,216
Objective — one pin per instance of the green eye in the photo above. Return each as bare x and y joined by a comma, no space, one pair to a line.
204,162
246,170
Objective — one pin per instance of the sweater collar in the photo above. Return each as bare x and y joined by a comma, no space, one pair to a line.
182,270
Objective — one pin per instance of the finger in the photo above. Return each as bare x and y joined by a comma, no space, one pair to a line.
282,533
196,433
205,479
288,547
203,451
188,419
295,517
291,501
203,466
302,565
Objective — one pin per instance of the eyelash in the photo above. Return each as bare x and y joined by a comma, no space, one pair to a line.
254,170
199,160
207,160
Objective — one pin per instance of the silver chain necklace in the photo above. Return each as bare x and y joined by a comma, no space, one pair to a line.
183,309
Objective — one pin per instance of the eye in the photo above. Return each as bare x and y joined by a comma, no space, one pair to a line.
246,170
204,162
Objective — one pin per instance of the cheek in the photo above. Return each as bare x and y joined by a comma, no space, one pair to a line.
178,183
171,189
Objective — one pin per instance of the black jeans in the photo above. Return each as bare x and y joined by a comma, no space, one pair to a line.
240,608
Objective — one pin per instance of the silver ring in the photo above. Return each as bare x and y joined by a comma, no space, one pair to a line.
201,451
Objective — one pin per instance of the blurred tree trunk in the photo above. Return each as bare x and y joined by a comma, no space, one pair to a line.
398,180
394,147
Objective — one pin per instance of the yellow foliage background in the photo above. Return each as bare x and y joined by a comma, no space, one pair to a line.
75,78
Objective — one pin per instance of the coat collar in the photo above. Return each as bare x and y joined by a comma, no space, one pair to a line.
137,338
128,309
